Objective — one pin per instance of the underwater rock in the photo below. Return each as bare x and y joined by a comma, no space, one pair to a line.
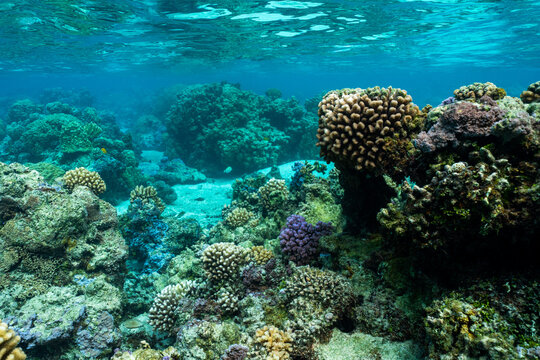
57,239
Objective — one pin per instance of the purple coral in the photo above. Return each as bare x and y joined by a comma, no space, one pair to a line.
235,352
300,239
462,121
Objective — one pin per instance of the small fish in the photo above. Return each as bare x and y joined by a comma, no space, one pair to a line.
103,150
266,138
227,170
199,199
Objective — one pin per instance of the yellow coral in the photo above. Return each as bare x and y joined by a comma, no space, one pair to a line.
474,92
532,94
273,194
278,343
8,342
261,255
84,177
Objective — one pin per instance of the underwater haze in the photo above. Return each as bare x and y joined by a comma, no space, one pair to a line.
269,180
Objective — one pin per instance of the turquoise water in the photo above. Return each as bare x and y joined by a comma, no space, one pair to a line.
179,181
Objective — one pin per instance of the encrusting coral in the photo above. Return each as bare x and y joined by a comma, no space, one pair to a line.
476,91
162,314
222,261
84,177
8,342
363,128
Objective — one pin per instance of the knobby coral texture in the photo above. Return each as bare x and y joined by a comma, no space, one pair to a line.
300,240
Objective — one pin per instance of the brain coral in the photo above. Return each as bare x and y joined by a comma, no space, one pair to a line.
360,128
8,343
476,91
532,94
221,261
84,177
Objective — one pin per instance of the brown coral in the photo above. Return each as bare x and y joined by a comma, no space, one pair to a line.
476,91
8,342
84,177
273,194
357,127
532,94
146,195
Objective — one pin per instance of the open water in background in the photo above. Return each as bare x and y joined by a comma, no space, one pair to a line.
124,50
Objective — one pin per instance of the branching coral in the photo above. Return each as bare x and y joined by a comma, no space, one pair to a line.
222,261
365,128
273,194
277,343
84,177
162,314
476,91
260,255
147,195
238,217
8,342
300,239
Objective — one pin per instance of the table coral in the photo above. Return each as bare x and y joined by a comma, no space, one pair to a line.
364,129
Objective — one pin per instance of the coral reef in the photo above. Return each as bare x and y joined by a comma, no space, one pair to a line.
476,91
460,122
366,128
299,239
235,352
84,177
214,126
8,344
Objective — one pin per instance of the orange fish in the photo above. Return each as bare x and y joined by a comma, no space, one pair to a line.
103,150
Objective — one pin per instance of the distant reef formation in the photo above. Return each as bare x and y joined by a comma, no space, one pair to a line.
214,126
421,242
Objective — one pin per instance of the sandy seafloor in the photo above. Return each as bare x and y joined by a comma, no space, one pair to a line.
204,201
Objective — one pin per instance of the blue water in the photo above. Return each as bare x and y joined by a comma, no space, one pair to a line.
116,48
